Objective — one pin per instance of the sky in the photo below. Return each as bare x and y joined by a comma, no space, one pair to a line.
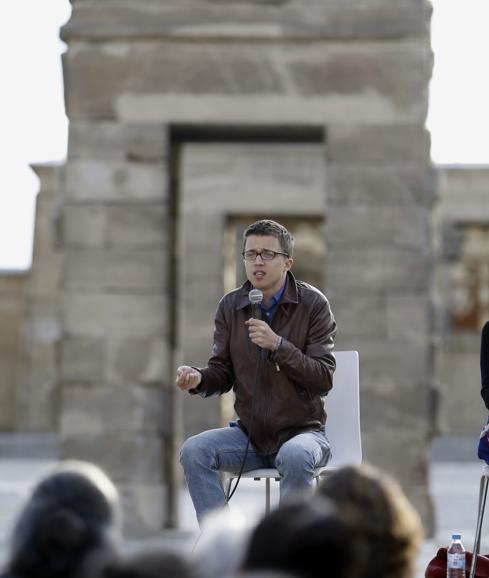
34,127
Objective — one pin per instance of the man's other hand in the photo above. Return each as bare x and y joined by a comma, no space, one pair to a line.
187,377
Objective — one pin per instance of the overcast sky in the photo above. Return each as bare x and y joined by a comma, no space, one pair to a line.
34,126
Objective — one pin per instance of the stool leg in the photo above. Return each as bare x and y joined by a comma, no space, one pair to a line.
267,495
480,517
482,506
228,487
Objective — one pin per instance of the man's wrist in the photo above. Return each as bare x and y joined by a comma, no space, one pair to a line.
278,343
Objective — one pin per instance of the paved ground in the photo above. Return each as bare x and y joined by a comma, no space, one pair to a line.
454,483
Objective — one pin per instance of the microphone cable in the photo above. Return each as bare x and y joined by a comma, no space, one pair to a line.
253,403
255,297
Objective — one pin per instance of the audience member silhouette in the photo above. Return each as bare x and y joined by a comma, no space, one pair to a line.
68,518
149,562
221,546
309,539
385,518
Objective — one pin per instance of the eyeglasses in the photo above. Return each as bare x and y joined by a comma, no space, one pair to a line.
266,254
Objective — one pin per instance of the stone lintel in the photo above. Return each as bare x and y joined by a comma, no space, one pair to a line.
358,82
297,20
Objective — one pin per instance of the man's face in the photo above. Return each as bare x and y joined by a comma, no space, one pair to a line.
266,275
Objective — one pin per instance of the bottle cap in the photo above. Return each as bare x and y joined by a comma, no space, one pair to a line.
456,536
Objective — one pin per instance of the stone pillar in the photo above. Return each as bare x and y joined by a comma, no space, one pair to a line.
12,304
463,221
37,394
114,352
380,274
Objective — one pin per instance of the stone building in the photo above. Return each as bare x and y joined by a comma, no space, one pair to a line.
188,120
462,282
12,300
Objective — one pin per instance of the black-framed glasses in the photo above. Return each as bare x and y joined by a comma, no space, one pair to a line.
265,254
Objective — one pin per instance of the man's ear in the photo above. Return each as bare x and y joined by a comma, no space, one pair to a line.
288,263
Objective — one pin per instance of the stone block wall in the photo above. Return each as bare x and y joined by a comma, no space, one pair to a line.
114,351
464,195
38,390
380,272
356,70
12,303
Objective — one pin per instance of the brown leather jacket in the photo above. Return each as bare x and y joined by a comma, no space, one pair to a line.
286,400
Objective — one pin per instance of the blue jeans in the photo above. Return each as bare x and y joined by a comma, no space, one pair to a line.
223,449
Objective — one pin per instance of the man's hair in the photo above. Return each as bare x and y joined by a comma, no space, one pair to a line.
267,227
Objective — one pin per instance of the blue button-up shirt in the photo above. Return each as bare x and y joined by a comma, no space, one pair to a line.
269,311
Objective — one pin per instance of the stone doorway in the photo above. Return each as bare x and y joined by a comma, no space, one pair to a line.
223,186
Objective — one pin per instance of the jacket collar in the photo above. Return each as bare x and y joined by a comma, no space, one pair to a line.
290,294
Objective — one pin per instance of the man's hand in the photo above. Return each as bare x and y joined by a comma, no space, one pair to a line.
261,334
187,377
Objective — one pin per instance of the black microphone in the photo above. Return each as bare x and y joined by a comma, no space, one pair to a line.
256,297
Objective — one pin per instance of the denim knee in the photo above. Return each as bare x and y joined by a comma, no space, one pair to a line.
194,451
294,456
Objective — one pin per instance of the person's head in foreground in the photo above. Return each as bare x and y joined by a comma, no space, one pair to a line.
222,543
68,517
308,538
385,517
148,562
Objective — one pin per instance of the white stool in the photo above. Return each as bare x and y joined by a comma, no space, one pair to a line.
342,406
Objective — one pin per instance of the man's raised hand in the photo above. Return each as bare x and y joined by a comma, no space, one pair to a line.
187,377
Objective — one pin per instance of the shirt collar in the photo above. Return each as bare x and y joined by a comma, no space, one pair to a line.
290,294
275,299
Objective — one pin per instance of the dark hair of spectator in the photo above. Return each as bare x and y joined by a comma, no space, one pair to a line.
311,539
68,517
386,519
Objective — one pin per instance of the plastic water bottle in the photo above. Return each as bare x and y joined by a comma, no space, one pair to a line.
456,558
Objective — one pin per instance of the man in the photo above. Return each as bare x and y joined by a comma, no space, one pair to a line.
278,367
